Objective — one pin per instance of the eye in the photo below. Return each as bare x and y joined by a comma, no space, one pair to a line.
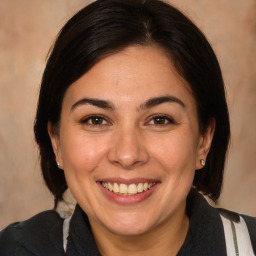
95,120
161,120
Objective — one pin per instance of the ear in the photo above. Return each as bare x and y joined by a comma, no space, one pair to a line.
55,140
204,144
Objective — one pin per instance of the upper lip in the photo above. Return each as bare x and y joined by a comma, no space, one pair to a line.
127,181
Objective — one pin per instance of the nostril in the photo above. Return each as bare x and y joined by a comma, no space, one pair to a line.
127,150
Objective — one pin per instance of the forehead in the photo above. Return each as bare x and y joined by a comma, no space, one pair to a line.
134,74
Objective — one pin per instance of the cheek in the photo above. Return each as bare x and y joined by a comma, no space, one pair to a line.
82,153
176,152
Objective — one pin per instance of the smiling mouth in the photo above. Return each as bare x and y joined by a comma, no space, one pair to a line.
127,189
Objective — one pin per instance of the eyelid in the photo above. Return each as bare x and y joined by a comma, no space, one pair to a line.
85,120
164,116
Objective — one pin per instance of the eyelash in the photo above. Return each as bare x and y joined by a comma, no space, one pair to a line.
167,120
95,117
88,120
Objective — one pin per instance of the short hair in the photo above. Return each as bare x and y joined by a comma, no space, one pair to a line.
108,26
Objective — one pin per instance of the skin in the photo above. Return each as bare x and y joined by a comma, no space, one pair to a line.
129,142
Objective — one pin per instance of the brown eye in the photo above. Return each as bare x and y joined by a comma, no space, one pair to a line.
161,120
95,120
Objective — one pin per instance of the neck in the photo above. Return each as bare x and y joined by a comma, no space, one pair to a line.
165,239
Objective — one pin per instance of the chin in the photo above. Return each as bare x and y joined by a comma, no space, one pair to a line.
129,230
124,225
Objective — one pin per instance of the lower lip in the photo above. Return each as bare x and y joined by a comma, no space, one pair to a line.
128,200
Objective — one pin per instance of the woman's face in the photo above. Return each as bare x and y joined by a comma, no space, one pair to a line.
129,142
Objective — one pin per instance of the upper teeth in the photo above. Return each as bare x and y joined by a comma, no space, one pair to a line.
130,189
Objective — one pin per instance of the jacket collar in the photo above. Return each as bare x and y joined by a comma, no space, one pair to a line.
206,234
80,239
41,235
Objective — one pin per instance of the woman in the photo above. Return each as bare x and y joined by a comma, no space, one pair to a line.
132,119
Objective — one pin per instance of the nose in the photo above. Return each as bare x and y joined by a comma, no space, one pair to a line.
127,149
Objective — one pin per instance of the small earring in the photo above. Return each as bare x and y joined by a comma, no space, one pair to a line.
58,164
202,162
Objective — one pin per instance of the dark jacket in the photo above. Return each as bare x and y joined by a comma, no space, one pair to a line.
42,234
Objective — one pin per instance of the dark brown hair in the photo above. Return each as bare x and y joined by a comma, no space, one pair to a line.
108,26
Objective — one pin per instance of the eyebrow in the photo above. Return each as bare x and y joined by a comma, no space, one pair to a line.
160,100
104,104
95,102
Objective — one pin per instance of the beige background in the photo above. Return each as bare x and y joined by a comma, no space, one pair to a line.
27,30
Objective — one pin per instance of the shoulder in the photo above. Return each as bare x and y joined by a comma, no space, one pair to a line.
236,217
251,225
241,227
29,235
250,221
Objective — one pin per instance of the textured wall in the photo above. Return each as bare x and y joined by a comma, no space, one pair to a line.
27,30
